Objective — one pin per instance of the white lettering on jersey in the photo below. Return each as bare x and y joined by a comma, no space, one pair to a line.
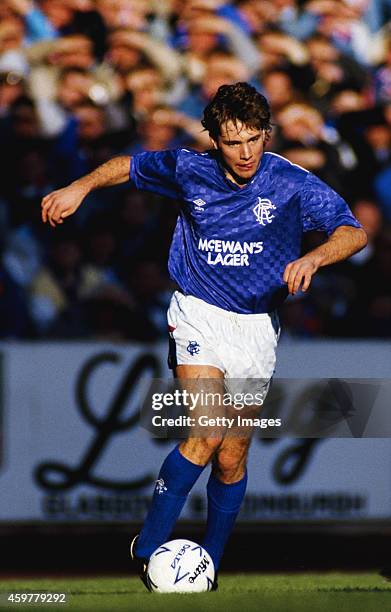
237,259
262,211
229,252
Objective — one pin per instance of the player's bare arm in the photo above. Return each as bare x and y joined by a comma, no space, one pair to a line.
62,203
343,242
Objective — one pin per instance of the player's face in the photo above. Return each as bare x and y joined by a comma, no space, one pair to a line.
241,149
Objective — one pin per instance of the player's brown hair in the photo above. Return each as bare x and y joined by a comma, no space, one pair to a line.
237,102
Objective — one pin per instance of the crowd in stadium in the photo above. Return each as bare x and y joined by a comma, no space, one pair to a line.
84,80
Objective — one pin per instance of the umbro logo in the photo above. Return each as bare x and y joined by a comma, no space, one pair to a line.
199,204
262,211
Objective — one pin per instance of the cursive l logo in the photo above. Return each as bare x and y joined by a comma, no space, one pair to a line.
58,476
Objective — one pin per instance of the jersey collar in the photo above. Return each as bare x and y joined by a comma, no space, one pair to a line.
216,156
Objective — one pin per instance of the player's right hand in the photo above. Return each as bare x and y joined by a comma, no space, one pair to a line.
62,203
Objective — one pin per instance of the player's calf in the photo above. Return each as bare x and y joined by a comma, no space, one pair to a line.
229,463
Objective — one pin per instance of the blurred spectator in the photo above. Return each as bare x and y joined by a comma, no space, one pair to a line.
383,191
12,87
109,316
345,25
124,13
368,132
137,223
167,129
62,282
100,247
383,77
11,34
146,86
14,316
279,89
128,48
152,290
76,17
52,63
370,313
207,32
333,71
83,80
306,140
220,67
352,272
21,131
278,50
27,238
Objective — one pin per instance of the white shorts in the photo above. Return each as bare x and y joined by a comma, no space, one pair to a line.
241,346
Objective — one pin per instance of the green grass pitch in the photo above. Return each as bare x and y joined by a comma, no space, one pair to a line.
328,592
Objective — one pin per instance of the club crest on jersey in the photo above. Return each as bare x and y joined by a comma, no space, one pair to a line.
193,347
262,211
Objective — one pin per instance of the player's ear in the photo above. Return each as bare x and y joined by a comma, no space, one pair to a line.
213,143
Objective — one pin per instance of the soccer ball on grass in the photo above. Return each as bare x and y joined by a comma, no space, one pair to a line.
180,566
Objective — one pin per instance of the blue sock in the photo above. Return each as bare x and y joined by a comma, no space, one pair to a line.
224,501
176,478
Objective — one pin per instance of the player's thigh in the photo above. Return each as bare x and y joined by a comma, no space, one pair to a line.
188,372
204,382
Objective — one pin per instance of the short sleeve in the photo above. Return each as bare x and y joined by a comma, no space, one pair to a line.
156,171
322,208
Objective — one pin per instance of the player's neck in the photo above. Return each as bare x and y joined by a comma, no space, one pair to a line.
239,181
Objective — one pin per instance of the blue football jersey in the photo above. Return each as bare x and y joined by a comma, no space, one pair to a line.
231,244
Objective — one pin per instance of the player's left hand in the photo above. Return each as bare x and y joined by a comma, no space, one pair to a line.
298,273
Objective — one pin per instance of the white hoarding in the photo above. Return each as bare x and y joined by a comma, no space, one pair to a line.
71,447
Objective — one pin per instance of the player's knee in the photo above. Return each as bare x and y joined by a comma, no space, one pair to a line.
212,444
200,450
229,464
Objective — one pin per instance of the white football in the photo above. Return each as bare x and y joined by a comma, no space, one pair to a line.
180,566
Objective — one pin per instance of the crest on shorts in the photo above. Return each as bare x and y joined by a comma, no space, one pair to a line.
193,347
263,211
